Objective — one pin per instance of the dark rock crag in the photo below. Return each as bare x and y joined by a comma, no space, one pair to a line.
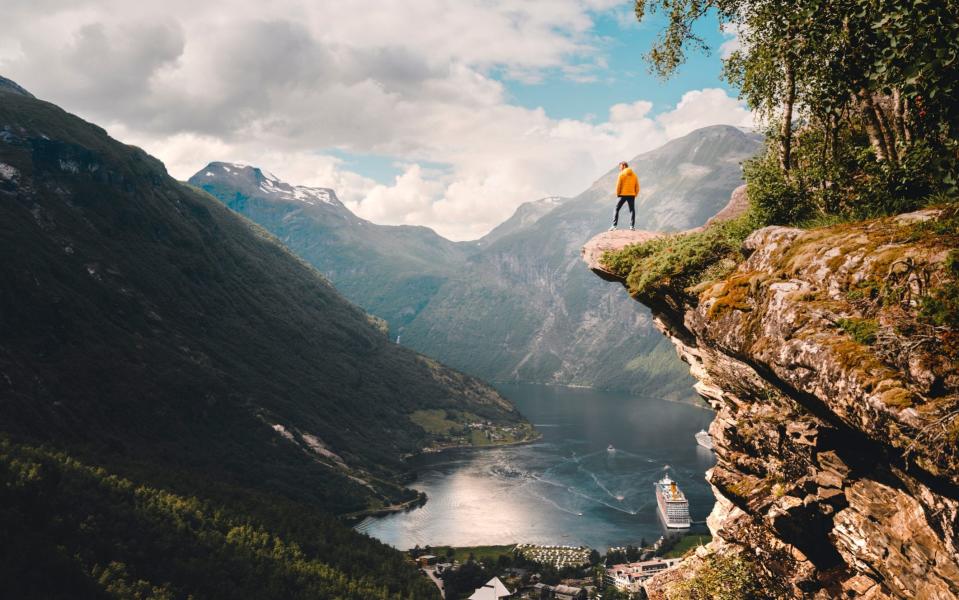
836,445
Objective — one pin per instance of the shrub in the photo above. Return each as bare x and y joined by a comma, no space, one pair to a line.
886,189
941,307
861,330
849,185
773,199
720,577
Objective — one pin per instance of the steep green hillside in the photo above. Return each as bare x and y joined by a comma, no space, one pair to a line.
391,271
150,334
71,530
141,316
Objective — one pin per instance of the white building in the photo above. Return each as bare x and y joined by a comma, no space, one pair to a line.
492,590
629,577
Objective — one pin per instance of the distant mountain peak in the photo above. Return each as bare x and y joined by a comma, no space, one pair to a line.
259,182
9,85
550,200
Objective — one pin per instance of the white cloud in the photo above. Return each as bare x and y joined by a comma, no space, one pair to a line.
523,155
732,42
194,82
623,113
700,108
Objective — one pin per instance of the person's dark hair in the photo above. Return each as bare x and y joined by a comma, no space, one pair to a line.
624,164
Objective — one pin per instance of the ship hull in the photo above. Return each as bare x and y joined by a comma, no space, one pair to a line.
663,511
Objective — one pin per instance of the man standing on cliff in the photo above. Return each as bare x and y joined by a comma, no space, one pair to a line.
627,188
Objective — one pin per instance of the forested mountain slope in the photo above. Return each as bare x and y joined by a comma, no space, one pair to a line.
391,271
147,331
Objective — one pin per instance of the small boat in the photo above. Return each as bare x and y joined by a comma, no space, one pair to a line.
610,449
703,439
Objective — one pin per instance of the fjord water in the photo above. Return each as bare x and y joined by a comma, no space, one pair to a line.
566,488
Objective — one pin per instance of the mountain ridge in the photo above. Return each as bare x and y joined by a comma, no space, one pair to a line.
474,306
562,329
184,403
389,270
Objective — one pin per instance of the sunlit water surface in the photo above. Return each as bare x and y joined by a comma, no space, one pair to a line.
567,488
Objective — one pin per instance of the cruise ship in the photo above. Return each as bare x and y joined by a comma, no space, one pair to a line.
673,506
703,439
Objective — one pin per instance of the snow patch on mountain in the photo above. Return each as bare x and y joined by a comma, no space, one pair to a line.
262,182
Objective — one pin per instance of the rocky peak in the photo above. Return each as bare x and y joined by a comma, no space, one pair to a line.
254,181
837,405
526,214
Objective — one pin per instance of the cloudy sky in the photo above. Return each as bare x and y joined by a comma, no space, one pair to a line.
445,113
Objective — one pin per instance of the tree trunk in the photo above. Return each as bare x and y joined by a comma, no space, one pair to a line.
834,119
899,117
888,136
907,132
785,131
871,122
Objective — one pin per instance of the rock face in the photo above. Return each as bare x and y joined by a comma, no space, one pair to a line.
837,406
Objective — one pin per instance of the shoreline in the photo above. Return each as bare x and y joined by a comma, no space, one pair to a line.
535,438
359,516
418,461
422,498
695,401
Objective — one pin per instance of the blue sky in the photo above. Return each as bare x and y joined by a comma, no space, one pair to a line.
622,43
626,76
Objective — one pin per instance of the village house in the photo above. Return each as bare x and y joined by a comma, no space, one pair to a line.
426,560
629,577
491,590
542,591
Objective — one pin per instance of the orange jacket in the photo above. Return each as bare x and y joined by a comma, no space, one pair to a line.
627,184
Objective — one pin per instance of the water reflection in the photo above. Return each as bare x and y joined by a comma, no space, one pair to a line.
567,488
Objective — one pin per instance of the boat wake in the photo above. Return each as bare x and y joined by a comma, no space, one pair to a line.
585,496
556,504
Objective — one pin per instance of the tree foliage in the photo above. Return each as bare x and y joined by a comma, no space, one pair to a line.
858,97
81,531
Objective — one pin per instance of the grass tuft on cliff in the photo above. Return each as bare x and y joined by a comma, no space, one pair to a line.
862,330
682,261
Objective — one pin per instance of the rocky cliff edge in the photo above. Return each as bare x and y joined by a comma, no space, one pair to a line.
837,395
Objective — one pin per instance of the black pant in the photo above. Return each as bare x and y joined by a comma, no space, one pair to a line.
631,201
